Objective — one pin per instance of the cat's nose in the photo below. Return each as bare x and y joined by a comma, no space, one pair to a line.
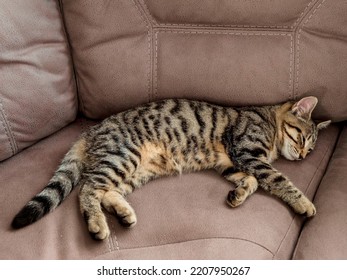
303,154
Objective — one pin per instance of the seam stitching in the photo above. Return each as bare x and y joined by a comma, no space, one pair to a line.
8,130
149,47
296,91
149,14
156,65
110,244
115,239
217,32
192,240
291,63
225,25
302,14
115,244
314,12
289,27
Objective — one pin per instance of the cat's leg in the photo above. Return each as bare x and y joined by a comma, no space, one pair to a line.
90,205
114,202
283,188
277,184
245,186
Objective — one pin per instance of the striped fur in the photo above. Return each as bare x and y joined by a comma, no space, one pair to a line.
173,136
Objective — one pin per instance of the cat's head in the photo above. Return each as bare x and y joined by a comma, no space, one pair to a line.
299,131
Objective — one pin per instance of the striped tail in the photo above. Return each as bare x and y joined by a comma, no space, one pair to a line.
60,186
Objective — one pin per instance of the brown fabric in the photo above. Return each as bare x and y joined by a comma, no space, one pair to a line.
110,49
321,55
183,217
37,95
235,53
242,14
325,236
207,248
63,235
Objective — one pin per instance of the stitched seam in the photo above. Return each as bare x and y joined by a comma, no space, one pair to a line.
156,65
314,12
302,14
8,130
306,191
291,63
290,27
149,14
296,92
192,240
225,25
149,48
110,244
218,32
112,241
116,241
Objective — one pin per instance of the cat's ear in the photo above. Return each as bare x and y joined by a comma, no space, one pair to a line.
322,125
304,107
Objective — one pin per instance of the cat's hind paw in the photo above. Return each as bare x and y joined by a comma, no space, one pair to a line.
116,204
98,227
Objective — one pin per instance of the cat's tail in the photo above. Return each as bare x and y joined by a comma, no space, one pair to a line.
59,187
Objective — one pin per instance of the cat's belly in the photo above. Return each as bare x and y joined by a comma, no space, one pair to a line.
162,159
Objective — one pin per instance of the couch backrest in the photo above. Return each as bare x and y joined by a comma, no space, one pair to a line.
37,92
233,52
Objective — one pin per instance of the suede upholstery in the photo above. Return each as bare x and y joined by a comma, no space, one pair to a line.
37,90
247,52
101,57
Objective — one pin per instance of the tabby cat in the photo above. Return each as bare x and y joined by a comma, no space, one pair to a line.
167,137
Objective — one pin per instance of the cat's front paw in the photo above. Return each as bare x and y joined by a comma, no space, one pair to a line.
128,220
236,197
304,206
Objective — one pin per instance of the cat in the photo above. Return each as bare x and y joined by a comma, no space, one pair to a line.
126,150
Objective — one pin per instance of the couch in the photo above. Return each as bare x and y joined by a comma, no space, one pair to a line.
65,65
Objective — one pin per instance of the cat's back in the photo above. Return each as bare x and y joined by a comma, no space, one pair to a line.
182,115
178,128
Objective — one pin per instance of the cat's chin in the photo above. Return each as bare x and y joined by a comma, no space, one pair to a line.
288,156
